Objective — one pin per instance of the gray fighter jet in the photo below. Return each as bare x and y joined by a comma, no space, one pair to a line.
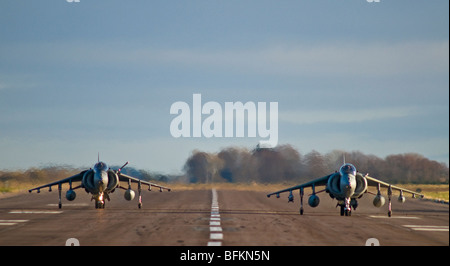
100,181
346,186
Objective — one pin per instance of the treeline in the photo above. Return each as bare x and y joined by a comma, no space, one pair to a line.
284,163
262,165
39,176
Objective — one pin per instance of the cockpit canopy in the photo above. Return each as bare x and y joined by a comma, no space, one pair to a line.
100,166
347,168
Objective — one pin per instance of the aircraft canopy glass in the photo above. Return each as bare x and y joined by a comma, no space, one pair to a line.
348,168
100,166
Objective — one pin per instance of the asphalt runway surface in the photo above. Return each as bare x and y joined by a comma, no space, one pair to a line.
228,218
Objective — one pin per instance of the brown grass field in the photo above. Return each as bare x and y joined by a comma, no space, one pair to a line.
435,192
440,191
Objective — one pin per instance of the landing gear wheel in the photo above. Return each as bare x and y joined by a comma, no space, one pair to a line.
140,205
99,205
342,211
301,211
389,213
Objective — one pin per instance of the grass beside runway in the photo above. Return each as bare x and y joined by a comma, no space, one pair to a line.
433,192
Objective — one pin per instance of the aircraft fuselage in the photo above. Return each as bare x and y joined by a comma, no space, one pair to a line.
100,180
348,185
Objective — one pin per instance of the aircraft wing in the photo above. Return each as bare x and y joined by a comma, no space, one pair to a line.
317,182
374,182
74,178
126,178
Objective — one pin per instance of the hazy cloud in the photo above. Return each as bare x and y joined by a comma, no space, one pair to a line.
330,59
345,116
319,60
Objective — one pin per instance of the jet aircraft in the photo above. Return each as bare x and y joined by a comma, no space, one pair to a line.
346,186
100,181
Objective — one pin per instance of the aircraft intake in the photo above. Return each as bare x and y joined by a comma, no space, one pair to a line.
113,180
361,185
88,181
334,184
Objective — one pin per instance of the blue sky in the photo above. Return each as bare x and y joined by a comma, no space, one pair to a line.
100,76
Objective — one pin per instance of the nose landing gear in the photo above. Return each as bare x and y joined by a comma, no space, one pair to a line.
99,201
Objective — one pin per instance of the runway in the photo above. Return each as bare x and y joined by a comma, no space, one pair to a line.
241,218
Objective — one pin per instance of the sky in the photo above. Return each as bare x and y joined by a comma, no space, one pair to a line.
100,76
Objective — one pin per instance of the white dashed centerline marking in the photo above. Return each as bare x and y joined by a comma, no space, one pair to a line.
215,229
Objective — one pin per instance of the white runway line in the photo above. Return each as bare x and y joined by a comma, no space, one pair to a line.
216,237
12,222
215,229
430,228
393,217
215,243
35,212
69,204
